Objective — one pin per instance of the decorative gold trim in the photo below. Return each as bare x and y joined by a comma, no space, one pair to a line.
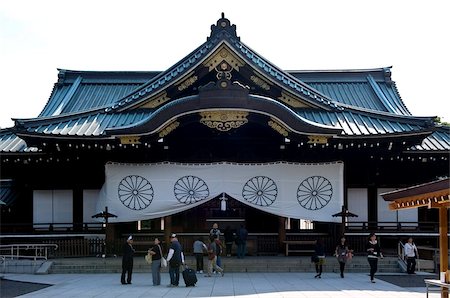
130,140
317,139
224,120
155,101
260,82
223,53
168,129
187,83
278,127
292,101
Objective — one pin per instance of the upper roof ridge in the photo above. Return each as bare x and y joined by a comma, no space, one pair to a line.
223,25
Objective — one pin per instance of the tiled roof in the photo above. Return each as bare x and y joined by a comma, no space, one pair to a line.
438,141
359,124
80,91
9,142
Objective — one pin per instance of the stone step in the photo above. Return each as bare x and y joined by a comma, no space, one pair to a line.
250,264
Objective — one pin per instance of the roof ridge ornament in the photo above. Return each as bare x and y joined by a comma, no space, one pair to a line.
223,26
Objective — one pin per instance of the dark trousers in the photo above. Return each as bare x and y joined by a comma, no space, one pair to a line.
127,269
174,272
410,265
199,260
241,247
229,246
373,263
342,267
319,268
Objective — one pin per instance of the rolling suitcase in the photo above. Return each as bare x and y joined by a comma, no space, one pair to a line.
190,279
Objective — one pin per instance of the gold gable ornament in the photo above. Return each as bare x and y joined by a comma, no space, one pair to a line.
224,120
278,127
132,140
317,139
168,129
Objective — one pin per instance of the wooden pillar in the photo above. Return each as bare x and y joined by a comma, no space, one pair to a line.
281,232
443,247
167,230
77,206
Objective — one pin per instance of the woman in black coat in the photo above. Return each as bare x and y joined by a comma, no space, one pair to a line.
373,253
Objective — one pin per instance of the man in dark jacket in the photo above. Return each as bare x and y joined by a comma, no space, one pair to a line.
241,241
127,261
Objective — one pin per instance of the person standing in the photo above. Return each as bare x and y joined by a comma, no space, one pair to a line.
411,254
219,250
373,253
175,258
156,253
319,261
229,238
127,261
199,247
212,257
342,254
215,231
241,241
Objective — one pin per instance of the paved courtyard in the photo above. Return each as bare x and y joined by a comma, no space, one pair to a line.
299,285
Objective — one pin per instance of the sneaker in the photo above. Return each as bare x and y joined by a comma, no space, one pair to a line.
201,271
223,273
372,281
198,272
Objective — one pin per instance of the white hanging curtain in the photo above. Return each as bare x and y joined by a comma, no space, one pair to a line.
296,190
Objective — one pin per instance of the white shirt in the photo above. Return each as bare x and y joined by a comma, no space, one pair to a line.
410,250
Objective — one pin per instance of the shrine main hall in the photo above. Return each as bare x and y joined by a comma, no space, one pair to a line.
223,136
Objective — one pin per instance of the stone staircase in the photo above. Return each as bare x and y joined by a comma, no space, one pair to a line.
249,264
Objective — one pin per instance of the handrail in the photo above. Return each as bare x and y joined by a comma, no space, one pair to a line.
16,251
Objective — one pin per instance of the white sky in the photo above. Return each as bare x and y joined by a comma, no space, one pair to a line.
37,37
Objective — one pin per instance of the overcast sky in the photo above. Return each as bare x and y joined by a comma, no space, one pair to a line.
37,37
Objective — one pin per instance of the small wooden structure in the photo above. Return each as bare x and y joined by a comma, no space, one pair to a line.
434,194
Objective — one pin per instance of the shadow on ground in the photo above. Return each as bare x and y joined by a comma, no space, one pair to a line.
9,288
406,281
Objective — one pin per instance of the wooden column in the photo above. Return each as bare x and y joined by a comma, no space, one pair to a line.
167,230
281,233
443,247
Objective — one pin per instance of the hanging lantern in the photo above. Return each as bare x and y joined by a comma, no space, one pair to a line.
223,202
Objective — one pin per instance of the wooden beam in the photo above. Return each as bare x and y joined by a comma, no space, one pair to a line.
443,247
438,205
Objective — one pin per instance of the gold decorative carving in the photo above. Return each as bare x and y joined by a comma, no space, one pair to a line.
130,140
317,139
223,53
278,127
260,82
292,101
168,129
187,83
155,101
224,120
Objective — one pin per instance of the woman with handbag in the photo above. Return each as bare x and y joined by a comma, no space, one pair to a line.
156,253
343,254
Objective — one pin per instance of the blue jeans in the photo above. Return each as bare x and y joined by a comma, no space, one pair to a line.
156,272
174,273
241,250
219,261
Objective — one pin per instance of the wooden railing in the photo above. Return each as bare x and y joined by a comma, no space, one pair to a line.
27,251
